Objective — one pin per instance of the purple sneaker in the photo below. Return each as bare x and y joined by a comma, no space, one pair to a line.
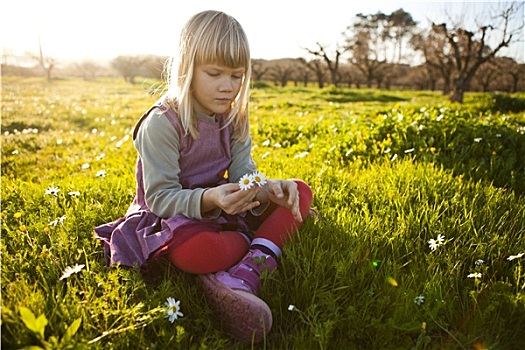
233,296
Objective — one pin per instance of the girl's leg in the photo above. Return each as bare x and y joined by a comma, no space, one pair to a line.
209,251
233,293
279,226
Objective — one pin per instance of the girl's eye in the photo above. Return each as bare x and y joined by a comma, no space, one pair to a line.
211,74
236,77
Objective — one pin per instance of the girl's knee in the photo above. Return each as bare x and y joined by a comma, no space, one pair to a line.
305,192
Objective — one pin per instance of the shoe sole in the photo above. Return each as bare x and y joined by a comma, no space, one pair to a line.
244,316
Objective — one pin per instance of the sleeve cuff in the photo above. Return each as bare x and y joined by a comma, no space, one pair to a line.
258,211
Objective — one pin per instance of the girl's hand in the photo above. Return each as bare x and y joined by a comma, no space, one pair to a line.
230,199
283,193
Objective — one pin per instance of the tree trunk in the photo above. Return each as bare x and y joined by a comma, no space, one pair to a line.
458,91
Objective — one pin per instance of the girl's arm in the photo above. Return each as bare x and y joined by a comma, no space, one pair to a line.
158,145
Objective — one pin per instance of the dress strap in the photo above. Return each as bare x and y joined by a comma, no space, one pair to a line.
144,116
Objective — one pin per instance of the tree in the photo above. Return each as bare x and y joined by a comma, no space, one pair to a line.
509,67
46,63
331,63
437,56
88,69
468,50
259,69
366,40
128,66
318,68
399,26
281,70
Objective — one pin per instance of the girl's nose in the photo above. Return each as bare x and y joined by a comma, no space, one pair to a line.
226,85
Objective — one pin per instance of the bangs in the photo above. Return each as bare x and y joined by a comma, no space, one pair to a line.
222,42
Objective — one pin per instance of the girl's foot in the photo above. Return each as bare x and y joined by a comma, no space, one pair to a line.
233,295
243,315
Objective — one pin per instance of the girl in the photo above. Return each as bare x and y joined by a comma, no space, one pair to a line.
194,147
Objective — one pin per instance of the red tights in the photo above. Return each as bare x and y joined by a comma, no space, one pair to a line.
211,251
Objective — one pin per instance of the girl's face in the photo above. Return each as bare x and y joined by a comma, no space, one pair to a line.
215,87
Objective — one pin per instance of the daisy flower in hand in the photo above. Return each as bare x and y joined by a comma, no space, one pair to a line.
246,182
259,178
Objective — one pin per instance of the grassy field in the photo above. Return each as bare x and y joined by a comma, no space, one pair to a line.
419,244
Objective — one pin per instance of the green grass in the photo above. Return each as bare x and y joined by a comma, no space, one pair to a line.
390,170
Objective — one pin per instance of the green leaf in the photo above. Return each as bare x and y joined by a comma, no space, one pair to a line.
36,325
71,330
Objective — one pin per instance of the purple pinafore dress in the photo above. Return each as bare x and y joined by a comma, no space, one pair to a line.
140,234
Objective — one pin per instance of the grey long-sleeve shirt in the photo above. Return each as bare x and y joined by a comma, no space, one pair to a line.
158,144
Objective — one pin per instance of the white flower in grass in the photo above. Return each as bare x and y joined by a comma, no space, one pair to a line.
101,173
301,155
420,299
291,307
479,262
512,257
173,309
474,275
52,190
60,220
74,193
71,270
85,166
435,243
246,182
259,178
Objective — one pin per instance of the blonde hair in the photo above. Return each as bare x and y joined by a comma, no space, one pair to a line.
209,37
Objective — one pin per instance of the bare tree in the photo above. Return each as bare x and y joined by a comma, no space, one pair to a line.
88,69
128,66
470,49
281,70
506,66
331,63
436,55
46,63
318,68
260,68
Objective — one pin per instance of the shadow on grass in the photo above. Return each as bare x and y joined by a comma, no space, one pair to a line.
485,147
345,96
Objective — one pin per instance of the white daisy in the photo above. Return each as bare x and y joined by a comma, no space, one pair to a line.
420,299
173,309
512,257
71,270
259,178
52,190
433,244
474,275
246,182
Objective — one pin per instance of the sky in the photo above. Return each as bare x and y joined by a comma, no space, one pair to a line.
104,29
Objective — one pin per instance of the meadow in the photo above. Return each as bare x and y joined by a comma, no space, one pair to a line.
418,244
